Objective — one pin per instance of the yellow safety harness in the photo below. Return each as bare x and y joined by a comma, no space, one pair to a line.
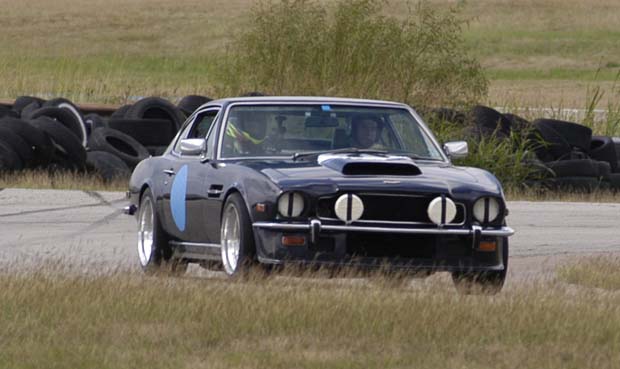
236,133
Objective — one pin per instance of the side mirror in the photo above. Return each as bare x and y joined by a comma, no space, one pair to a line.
193,146
456,149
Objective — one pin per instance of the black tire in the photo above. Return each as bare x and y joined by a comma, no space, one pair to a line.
602,148
7,112
574,168
517,123
614,181
568,133
75,111
156,108
604,170
9,160
190,103
487,283
19,146
119,144
156,150
156,257
28,110
69,151
121,111
23,101
548,144
149,132
41,144
107,165
94,121
616,141
66,118
235,208
489,121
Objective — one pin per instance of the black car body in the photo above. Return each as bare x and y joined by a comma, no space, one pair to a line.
301,193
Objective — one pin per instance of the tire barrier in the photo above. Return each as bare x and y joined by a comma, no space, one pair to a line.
56,135
567,156
119,144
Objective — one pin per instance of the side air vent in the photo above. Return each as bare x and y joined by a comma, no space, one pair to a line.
386,169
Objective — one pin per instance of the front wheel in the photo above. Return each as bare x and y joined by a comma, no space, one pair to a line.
153,250
488,283
237,241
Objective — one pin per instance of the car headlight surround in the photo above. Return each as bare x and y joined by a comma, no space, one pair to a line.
291,204
441,210
349,208
487,209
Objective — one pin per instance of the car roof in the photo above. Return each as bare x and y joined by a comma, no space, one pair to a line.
304,99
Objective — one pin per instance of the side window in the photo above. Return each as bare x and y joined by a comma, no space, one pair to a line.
202,124
199,127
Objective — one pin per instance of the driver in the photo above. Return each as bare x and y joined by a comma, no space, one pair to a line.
366,131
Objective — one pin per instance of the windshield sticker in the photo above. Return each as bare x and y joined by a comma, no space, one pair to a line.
326,107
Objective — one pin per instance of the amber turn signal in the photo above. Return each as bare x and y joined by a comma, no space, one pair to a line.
260,207
487,246
293,240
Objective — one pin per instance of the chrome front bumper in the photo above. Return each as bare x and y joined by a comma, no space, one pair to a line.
315,227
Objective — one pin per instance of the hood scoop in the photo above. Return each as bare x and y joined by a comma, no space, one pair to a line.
364,164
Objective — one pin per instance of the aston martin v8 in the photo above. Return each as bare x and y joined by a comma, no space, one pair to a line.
317,181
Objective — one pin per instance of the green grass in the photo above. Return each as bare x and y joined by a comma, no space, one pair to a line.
122,320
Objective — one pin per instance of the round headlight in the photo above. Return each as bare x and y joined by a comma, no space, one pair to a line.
349,208
486,209
291,204
436,210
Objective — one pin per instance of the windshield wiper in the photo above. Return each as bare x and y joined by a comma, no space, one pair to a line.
351,150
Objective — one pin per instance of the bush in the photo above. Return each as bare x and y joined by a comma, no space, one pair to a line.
301,47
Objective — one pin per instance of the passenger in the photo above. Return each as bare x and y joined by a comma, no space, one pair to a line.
247,133
366,131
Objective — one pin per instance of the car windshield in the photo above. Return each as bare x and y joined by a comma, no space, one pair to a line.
303,130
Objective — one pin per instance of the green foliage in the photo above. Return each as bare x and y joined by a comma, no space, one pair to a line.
301,47
609,123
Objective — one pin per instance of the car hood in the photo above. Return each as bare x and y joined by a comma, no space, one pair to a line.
367,172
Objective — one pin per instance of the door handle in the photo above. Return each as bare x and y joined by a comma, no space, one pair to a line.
169,172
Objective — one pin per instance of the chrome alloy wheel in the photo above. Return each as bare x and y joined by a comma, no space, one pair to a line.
231,239
145,232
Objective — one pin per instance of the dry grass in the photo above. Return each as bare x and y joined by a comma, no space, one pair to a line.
60,181
124,320
536,52
598,272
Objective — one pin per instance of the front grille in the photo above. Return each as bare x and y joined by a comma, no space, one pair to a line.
389,208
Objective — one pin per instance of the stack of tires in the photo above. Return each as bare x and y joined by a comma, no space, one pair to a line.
572,156
568,156
55,135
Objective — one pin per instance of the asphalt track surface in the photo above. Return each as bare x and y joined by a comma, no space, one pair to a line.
85,229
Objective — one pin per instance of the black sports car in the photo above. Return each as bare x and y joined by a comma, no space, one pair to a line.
320,181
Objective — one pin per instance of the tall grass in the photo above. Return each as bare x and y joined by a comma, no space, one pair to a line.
123,320
301,47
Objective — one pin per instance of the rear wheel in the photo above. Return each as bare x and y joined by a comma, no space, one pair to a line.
237,242
486,283
153,250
